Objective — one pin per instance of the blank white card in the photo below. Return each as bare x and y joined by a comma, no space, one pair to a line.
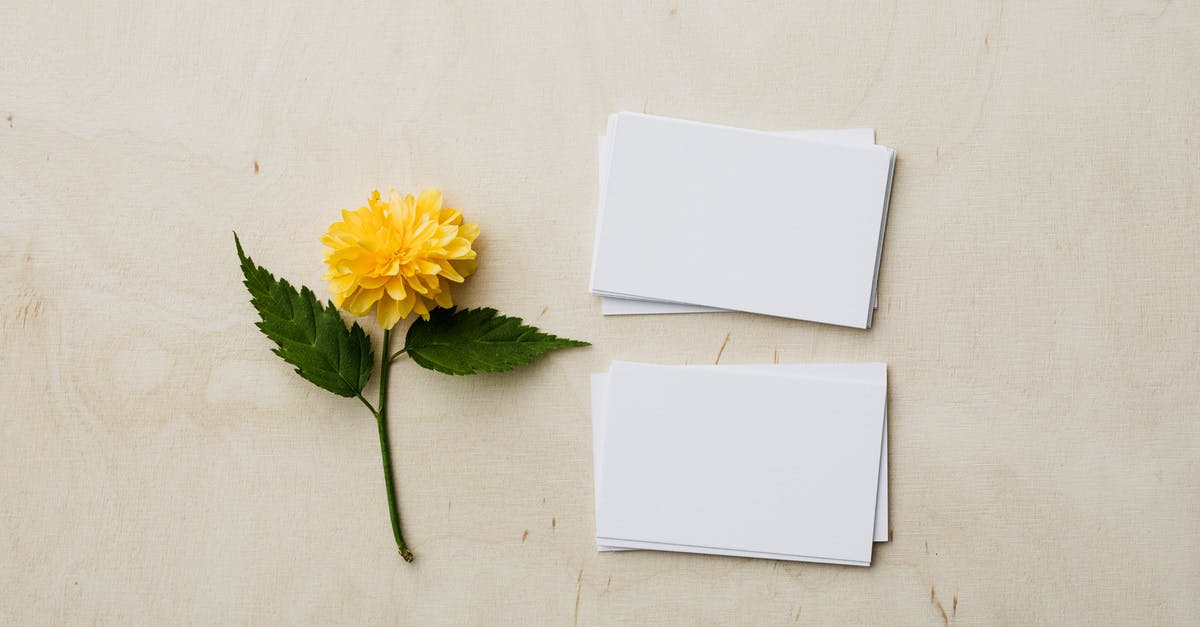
875,373
613,306
738,219
734,463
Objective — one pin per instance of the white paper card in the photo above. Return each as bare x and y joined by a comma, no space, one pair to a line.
613,306
761,223
739,462
865,372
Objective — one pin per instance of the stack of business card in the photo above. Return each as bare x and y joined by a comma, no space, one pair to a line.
775,461
699,217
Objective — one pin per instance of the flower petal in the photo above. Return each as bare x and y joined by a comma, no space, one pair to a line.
388,312
427,267
443,299
423,231
432,282
372,282
430,202
469,231
417,286
458,247
450,273
406,305
465,267
421,308
341,282
360,302
395,288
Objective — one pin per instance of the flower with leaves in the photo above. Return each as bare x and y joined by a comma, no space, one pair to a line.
400,257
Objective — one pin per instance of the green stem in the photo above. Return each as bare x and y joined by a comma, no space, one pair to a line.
386,449
368,404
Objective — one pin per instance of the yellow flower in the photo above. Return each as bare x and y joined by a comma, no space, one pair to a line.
401,253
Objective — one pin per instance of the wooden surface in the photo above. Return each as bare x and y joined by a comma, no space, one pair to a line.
1039,305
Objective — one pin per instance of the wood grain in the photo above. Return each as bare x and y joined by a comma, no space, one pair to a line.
1039,307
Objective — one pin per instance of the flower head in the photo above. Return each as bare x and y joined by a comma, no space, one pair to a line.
401,253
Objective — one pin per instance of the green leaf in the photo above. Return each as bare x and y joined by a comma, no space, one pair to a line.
477,340
310,336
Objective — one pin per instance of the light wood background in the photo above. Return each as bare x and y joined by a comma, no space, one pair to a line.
1039,304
